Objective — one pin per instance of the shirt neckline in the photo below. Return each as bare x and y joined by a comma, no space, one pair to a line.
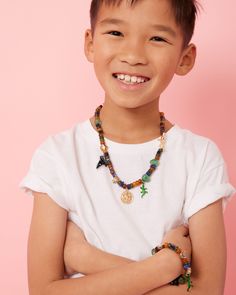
91,133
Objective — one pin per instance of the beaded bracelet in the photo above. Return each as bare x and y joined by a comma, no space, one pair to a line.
183,278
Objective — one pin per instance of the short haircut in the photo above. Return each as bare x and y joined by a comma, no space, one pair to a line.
185,12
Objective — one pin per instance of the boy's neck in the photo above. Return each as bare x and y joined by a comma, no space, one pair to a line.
131,125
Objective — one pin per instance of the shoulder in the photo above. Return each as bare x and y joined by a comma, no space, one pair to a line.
196,152
61,143
193,139
198,146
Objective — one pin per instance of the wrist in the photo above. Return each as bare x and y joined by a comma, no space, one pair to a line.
182,277
171,263
105,260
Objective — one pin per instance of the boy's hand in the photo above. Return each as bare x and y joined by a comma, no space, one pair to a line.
80,255
180,237
74,233
75,244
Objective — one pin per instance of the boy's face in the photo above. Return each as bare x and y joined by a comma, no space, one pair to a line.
142,41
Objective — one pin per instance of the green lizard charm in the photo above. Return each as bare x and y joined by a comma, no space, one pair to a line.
143,190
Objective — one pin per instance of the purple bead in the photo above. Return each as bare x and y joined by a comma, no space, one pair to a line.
187,265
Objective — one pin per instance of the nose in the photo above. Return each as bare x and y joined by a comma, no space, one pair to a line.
133,53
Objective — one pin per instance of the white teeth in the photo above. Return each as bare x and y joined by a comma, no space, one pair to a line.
130,79
134,79
127,78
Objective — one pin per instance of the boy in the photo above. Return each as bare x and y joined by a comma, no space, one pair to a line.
136,48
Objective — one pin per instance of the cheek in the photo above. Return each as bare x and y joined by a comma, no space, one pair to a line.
104,50
101,69
100,58
166,64
103,56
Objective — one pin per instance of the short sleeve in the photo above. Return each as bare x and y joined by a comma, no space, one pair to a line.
208,183
45,175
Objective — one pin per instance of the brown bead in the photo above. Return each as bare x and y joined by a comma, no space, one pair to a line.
151,169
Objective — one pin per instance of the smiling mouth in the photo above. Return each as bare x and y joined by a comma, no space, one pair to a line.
130,79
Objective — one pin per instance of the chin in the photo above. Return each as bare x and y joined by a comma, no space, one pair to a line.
130,103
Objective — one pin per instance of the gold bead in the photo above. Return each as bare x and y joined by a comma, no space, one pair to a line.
103,148
162,141
115,179
188,272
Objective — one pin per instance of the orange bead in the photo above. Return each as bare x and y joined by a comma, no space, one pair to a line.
178,251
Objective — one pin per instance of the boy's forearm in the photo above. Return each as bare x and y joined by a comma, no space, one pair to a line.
134,278
105,261
89,259
98,260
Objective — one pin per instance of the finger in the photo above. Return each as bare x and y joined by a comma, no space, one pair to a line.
69,222
183,229
186,224
72,224
186,230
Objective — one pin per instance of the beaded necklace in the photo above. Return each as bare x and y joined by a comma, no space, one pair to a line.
127,196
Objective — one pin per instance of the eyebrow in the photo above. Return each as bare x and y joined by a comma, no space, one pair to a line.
158,27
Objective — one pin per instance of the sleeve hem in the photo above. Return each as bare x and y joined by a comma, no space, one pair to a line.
33,184
225,191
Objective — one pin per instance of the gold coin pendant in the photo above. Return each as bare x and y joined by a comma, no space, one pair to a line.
127,197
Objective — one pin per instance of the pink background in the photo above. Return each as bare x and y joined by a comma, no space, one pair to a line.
46,86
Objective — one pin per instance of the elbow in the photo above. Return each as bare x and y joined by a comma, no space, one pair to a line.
198,290
49,290
45,290
205,286
212,291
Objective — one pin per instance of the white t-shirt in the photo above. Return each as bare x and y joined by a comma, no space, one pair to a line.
191,175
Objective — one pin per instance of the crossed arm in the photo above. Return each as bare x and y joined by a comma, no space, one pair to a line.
117,275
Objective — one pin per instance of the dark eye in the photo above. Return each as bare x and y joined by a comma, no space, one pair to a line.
158,39
114,33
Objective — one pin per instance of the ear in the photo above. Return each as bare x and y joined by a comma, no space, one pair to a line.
88,45
187,60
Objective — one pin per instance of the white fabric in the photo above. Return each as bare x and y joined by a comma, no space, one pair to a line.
191,175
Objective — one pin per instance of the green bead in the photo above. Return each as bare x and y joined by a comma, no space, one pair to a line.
154,162
182,280
97,121
146,178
